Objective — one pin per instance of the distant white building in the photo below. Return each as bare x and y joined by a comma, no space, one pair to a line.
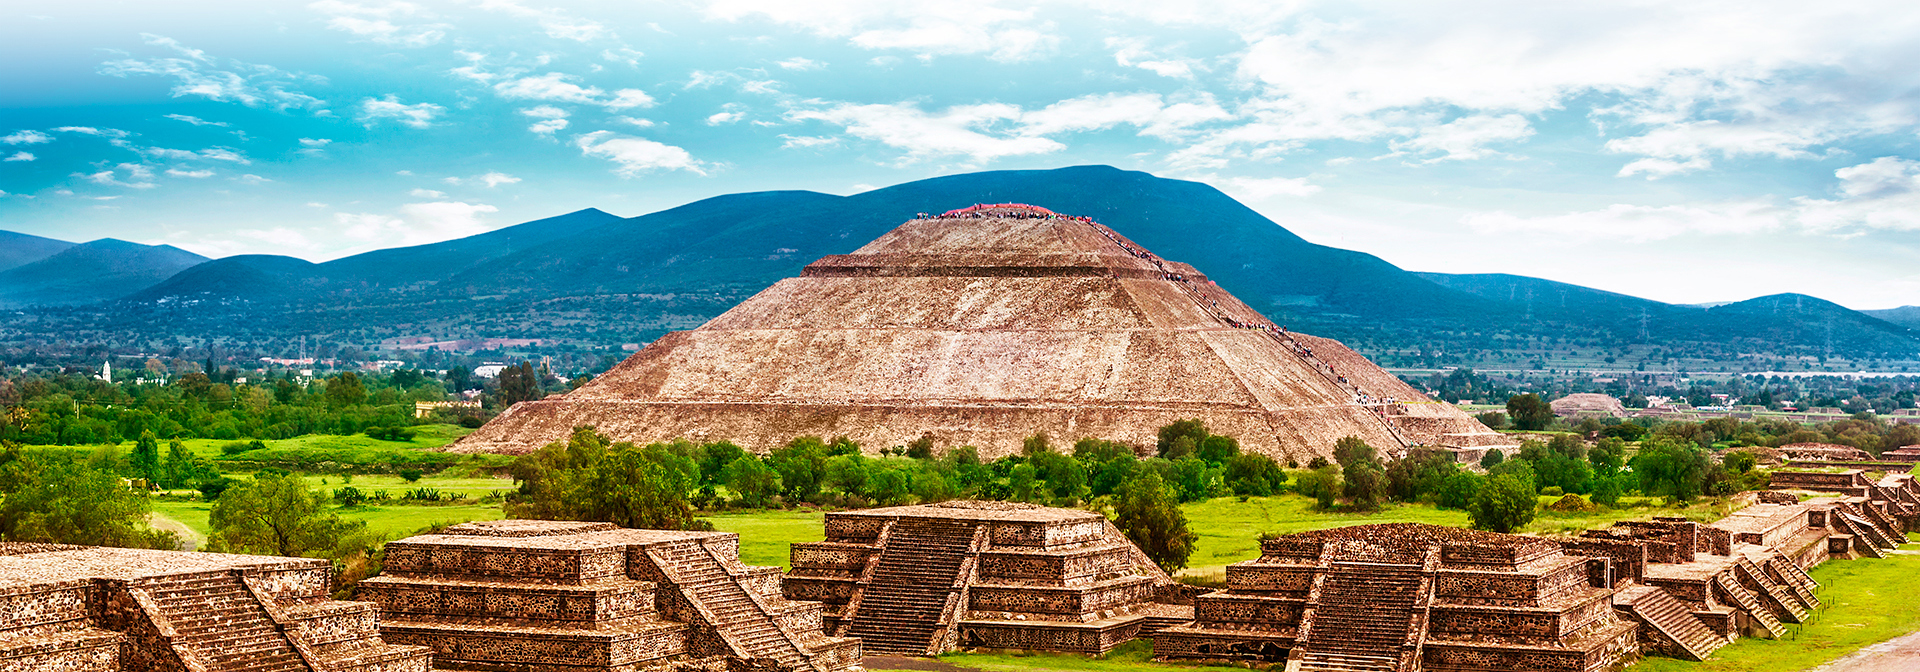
489,370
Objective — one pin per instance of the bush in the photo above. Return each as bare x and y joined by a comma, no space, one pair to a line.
1492,419
393,433
471,421
349,496
238,447
1506,504
411,475
211,488
1553,491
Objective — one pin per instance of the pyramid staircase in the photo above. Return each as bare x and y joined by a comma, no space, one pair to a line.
1659,610
745,622
1860,529
1784,603
1364,618
1733,593
218,624
1796,579
907,608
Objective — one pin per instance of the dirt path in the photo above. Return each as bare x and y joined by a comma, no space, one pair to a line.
189,539
1900,654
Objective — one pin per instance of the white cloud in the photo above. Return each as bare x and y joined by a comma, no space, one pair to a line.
417,223
227,154
965,130
547,127
1881,194
1465,138
106,177
250,84
496,179
801,63
1657,168
1134,53
720,118
251,179
21,156
925,27
637,121
375,22
553,86
419,115
176,172
1638,223
553,22
426,193
196,120
112,133
545,112
807,141
629,98
314,146
27,138
1262,188
622,55
1154,116
636,156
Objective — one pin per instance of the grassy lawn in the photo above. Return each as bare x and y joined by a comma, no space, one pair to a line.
767,536
390,522
1135,656
425,436
1866,601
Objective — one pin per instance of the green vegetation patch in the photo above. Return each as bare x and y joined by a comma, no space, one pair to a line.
767,537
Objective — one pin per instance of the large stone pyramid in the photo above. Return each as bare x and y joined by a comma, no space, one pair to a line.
981,327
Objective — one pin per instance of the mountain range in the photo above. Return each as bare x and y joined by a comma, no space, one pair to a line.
635,277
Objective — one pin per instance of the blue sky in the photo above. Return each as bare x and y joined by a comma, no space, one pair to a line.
1687,152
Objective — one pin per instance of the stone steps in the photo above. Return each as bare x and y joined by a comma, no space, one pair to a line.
1786,605
912,581
1795,578
1363,616
1744,599
216,618
1318,661
1670,617
737,617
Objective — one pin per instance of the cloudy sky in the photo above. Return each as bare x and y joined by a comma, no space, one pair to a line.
1687,152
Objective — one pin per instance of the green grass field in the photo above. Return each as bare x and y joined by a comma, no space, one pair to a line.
425,436
767,536
388,522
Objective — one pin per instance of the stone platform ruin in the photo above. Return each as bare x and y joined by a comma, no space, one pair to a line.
981,327
1404,597
922,580
545,596
88,609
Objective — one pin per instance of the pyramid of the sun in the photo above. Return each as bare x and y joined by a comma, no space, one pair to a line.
981,327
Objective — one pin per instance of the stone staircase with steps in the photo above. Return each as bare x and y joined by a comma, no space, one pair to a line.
218,623
1659,610
1795,578
743,622
901,608
1861,529
1364,615
1785,604
1743,599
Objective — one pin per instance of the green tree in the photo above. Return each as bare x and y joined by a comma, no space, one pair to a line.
1460,490
802,464
921,448
1254,475
1529,412
1024,482
1112,473
1322,484
1192,479
1492,419
180,468
1170,441
1671,468
1065,478
1036,444
277,514
345,390
590,478
714,458
1739,461
64,501
752,481
1351,449
1366,484
1420,473
1146,511
1492,458
1608,456
145,458
1218,450
1505,504
519,383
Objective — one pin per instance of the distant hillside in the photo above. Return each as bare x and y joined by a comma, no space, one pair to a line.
1906,316
89,272
599,278
19,249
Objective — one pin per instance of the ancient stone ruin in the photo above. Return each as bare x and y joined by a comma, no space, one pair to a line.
543,596
1403,597
981,327
921,580
87,609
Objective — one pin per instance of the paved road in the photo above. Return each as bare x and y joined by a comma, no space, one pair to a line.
1900,654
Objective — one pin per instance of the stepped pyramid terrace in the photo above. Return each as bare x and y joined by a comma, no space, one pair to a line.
980,327
1403,597
545,596
921,580
88,609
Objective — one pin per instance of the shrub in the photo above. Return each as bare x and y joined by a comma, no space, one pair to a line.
349,496
471,421
1553,491
410,475
1505,505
